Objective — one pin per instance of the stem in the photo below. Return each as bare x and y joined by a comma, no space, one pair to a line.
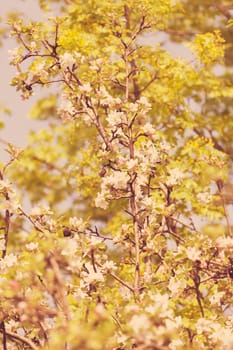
6,221
19,337
125,284
3,330
60,281
6,231
132,202
134,211
220,187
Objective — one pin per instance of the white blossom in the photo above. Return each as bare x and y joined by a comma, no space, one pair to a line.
117,179
31,246
109,266
85,88
96,64
106,99
176,344
93,241
76,223
148,203
14,55
132,164
12,205
160,304
139,323
5,185
173,324
115,118
125,293
92,275
8,261
215,299
66,108
192,253
204,325
164,146
70,248
176,285
11,325
100,201
67,60
121,338
176,175
33,45
204,197
224,242
41,210
143,101
148,129
80,294
133,107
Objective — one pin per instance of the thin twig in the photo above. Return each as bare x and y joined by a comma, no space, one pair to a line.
3,330
20,338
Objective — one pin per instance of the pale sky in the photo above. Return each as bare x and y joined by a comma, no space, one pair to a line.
18,124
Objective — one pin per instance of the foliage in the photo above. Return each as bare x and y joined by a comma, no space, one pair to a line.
102,246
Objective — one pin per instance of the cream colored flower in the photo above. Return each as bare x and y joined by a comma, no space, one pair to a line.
31,246
67,60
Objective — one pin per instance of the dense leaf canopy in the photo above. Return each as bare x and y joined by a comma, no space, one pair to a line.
115,218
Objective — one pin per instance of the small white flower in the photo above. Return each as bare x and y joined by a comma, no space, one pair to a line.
115,118
204,197
80,294
148,129
33,45
66,106
41,210
121,338
51,224
176,285
192,253
225,242
100,201
125,293
76,223
204,325
165,146
132,164
148,203
93,241
31,246
109,266
70,248
118,180
5,186
176,344
8,261
215,299
11,325
176,175
92,276
143,101
133,107
14,55
67,60
85,88
173,324
161,304
139,323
